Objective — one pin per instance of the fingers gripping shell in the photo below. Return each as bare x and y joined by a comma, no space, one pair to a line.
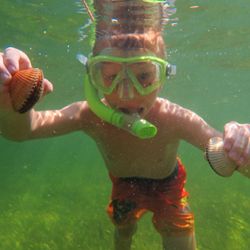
26,87
217,159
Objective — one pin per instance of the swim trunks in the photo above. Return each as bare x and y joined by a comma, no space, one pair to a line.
165,198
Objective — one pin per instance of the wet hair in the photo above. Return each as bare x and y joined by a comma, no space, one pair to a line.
129,24
150,41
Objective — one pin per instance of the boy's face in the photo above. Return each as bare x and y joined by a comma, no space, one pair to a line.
125,96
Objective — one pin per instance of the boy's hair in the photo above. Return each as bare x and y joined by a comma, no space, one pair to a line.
129,24
150,41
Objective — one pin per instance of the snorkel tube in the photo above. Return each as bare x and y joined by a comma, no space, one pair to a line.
131,123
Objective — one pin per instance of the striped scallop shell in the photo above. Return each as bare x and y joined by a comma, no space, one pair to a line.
215,155
26,87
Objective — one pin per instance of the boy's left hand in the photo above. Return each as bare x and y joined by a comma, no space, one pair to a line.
237,143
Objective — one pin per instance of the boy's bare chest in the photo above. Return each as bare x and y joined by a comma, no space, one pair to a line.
126,155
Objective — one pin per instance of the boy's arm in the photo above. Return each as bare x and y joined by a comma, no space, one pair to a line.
15,126
236,137
192,128
43,124
33,124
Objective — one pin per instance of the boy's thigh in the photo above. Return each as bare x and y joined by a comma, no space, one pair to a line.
124,212
174,220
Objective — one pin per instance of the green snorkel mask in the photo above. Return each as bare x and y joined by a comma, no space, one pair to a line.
96,81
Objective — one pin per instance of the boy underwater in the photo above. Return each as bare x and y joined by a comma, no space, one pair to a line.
128,67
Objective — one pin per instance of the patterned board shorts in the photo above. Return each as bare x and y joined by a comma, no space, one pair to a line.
165,198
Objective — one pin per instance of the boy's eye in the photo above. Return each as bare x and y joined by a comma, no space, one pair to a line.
108,79
144,76
145,79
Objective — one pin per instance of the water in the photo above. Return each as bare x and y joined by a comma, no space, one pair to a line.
54,192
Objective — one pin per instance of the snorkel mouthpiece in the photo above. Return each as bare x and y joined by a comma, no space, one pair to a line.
138,126
131,123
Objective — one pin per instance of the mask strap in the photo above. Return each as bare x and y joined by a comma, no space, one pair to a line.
171,70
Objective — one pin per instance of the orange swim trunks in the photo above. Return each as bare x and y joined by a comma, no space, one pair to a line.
165,198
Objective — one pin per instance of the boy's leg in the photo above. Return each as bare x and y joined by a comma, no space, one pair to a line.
123,236
176,226
124,211
173,218
124,215
179,243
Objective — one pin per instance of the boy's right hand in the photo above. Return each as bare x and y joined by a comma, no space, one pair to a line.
12,60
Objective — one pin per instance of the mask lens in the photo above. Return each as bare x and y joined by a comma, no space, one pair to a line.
104,75
146,73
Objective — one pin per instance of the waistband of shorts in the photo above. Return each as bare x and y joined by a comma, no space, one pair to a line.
151,180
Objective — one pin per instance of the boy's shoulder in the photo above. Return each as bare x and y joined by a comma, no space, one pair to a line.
85,112
169,108
81,112
171,111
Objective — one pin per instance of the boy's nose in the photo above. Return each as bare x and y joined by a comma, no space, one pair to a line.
126,90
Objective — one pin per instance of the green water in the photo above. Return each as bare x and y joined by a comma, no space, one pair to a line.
53,193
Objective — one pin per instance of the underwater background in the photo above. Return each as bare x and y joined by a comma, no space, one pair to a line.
53,192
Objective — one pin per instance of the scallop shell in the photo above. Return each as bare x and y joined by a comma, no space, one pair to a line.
217,159
26,87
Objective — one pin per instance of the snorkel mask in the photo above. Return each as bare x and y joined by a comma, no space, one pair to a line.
95,81
144,73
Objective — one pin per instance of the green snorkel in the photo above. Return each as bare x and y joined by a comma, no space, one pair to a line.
133,124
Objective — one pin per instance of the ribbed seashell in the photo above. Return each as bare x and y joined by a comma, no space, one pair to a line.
26,87
217,159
